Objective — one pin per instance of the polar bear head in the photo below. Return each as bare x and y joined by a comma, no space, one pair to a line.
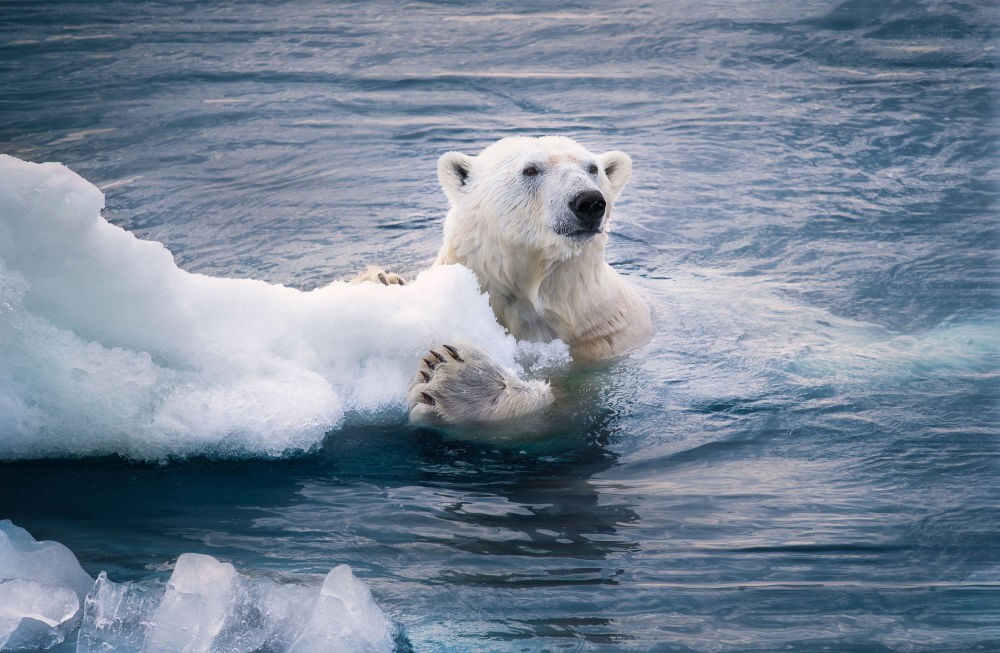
529,216
548,194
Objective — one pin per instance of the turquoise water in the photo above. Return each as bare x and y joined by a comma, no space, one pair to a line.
804,458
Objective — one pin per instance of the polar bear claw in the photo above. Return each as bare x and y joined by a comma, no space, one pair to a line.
378,275
457,385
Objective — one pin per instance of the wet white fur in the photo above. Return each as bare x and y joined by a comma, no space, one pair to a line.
504,227
515,231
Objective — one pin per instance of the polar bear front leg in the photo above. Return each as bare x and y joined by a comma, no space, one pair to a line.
457,385
378,275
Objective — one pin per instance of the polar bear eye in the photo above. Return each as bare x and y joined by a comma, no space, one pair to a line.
592,168
529,171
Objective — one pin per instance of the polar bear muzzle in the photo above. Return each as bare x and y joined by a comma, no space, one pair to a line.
588,206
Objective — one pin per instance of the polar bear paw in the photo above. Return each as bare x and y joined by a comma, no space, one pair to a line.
457,385
378,275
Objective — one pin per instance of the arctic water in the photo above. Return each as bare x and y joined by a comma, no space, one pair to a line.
805,457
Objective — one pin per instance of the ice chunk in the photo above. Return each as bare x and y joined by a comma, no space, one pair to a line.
21,556
205,606
208,606
199,596
115,617
280,609
41,589
345,618
106,346
34,616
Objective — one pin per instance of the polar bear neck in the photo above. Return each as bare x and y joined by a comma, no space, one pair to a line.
592,308
541,295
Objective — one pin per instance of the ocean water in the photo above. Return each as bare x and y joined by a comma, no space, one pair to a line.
805,457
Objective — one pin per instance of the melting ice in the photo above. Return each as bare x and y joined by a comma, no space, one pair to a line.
106,346
41,590
206,605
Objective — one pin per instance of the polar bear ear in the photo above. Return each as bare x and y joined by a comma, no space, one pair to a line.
453,173
618,167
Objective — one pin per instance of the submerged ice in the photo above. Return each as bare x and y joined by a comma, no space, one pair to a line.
206,605
106,346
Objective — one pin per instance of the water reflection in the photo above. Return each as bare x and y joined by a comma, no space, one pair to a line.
439,525
535,499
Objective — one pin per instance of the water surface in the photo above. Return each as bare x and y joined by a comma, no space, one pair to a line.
804,458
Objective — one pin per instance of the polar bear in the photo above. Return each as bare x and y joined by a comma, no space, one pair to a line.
529,216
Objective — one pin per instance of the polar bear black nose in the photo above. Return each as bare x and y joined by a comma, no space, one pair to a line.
588,207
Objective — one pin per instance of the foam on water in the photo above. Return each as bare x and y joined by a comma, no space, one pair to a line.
754,340
108,347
